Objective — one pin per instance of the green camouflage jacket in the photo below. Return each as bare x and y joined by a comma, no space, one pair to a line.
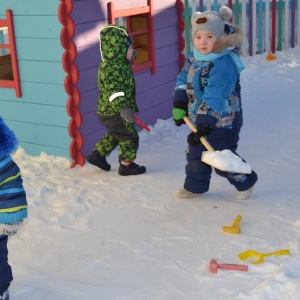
115,77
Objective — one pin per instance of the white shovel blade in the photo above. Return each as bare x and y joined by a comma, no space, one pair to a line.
226,161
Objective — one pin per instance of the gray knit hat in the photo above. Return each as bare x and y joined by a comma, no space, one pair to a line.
211,20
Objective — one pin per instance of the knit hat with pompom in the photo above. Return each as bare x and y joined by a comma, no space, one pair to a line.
211,20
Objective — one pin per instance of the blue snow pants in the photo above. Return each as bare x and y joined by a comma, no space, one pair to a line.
5,269
198,174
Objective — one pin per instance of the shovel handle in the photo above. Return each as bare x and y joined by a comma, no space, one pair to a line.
237,220
279,252
138,121
202,139
233,267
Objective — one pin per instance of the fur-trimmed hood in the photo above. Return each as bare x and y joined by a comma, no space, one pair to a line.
229,40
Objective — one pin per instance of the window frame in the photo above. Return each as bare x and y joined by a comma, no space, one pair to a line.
126,13
15,82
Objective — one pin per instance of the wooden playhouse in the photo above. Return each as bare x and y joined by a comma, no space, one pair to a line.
49,58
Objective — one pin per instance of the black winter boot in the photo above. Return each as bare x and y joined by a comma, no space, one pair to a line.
131,168
98,160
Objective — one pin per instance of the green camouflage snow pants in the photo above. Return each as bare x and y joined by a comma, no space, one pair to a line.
119,132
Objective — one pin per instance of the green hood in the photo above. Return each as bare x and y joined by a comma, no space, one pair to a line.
115,78
114,43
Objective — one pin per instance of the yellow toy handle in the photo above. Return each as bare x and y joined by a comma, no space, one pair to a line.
260,256
279,252
237,220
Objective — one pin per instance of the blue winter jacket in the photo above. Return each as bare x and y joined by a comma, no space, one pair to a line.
13,203
210,86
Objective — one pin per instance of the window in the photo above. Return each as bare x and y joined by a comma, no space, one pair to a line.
9,72
5,56
139,23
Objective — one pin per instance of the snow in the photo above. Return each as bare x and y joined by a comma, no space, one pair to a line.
225,160
96,235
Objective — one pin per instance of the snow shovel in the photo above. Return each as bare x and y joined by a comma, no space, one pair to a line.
223,160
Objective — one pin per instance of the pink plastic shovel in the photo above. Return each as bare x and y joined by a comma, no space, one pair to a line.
214,266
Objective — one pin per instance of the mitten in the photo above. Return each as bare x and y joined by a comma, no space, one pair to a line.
194,137
178,115
127,114
179,112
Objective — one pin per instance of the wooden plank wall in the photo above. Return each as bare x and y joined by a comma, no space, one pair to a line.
269,25
39,118
154,91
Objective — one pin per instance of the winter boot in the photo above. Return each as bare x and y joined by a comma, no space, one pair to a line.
5,295
185,194
244,194
130,168
98,160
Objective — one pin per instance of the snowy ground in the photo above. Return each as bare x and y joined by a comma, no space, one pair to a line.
94,235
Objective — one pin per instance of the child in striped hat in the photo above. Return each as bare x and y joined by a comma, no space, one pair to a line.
13,203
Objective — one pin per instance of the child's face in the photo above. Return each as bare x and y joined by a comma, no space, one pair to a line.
204,41
131,53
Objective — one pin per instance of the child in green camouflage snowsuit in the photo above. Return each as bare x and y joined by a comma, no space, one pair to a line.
117,104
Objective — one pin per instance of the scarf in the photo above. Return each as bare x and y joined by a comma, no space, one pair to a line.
213,56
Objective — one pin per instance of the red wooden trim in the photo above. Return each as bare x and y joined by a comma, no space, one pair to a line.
230,6
13,53
181,27
113,14
15,83
139,32
3,23
273,45
7,83
132,11
72,77
150,19
2,46
140,67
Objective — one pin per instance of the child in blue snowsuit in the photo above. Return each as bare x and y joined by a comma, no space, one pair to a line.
13,203
208,92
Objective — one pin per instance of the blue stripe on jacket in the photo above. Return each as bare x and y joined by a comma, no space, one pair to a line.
13,203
